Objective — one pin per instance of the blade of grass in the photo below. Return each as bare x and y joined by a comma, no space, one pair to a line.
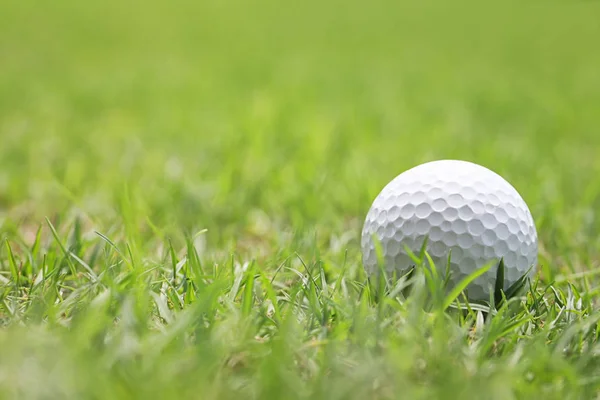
62,247
462,285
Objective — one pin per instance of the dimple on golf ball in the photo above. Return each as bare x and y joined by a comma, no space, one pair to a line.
462,208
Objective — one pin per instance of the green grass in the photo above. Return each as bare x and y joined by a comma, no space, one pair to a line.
182,190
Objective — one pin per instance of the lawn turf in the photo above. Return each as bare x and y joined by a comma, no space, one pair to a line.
183,187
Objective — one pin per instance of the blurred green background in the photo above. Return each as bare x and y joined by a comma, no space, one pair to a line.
250,119
200,137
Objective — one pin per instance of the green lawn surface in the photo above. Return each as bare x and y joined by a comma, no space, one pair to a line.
183,186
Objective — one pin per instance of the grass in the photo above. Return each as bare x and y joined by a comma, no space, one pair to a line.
183,187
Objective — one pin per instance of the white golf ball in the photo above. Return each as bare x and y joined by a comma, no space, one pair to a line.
462,207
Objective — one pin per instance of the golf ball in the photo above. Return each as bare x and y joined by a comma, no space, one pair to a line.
461,207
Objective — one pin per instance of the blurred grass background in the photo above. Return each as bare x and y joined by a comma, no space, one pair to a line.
274,125
253,119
